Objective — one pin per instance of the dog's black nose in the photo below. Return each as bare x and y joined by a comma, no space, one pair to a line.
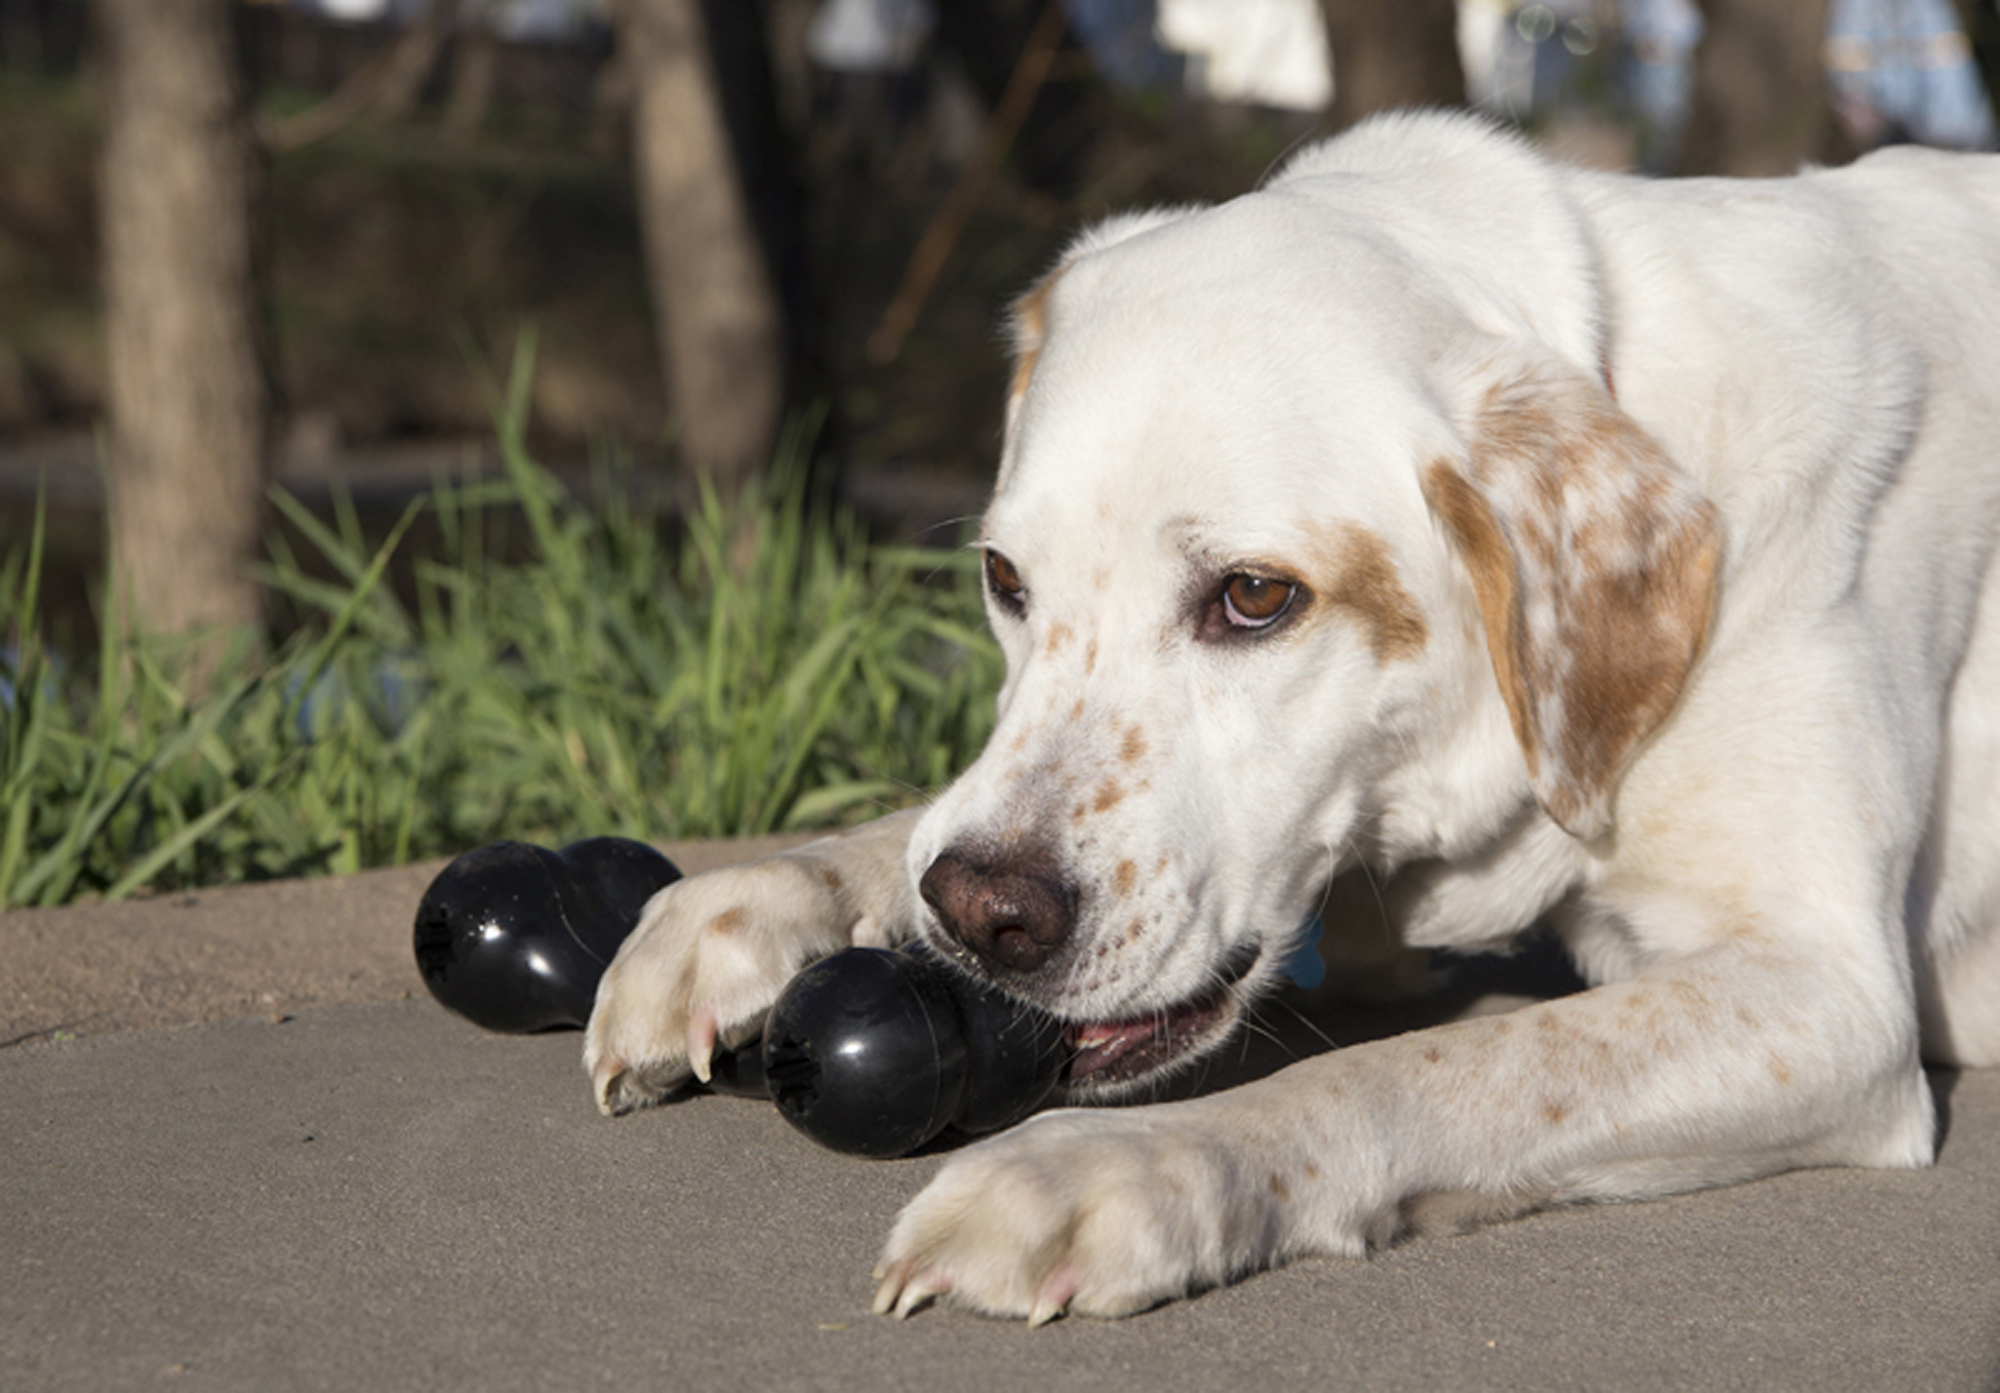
1013,910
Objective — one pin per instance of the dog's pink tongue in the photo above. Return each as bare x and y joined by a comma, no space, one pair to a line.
1099,1044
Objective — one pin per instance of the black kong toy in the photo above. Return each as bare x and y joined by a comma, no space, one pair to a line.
515,937
875,1053
867,1051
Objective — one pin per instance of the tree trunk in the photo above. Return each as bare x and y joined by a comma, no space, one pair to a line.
407,61
188,394
720,324
473,66
21,36
988,37
1392,53
1759,104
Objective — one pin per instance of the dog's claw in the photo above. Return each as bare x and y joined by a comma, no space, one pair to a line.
623,1089
902,1292
608,1085
701,1043
1053,1299
917,1294
889,1285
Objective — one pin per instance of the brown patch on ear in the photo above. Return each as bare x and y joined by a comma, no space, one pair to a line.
1354,571
1594,562
1482,548
1031,327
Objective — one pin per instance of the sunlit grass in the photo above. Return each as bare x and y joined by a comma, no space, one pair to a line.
753,666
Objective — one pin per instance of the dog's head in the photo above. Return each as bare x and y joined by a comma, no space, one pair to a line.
1313,543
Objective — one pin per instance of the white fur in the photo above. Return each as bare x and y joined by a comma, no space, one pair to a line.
1783,388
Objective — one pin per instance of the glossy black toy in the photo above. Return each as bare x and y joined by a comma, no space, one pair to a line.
515,937
875,1052
866,1051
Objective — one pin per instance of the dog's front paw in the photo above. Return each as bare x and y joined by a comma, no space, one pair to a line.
710,955
1096,1213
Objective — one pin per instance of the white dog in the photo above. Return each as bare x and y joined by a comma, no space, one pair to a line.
1566,544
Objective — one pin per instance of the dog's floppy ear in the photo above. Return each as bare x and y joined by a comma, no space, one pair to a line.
1029,323
1594,561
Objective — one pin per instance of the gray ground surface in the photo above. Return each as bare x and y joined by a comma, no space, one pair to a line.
327,1181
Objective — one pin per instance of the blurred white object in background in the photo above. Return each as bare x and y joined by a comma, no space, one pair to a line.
868,36
1271,52
354,11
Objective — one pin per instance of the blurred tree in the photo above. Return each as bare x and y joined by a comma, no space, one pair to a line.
407,63
21,36
1004,128
387,86
1759,100
473,66
1391,53
989,38
188,391
720,322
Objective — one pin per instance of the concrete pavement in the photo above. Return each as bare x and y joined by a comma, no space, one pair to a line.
325,1180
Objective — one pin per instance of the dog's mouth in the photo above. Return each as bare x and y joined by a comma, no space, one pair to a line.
1110,1054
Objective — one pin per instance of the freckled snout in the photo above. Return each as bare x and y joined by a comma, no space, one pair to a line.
1013,910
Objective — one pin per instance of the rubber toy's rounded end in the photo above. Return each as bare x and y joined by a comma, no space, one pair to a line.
875,1053
863,1052
515,937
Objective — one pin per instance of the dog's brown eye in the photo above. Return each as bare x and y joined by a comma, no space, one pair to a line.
1251,602
1005,581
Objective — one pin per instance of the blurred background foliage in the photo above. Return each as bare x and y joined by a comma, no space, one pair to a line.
543,666
649,577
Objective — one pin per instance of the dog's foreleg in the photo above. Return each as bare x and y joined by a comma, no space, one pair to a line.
1740,1061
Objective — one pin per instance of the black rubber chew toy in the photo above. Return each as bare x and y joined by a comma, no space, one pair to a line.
875,1053
515,937
866,1051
